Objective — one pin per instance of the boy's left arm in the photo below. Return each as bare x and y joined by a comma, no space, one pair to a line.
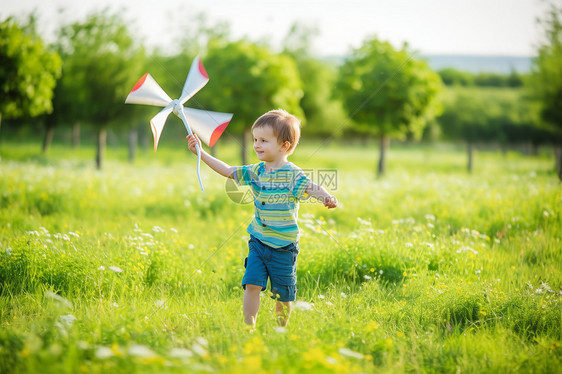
322,195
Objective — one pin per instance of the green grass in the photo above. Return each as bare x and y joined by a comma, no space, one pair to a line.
429,269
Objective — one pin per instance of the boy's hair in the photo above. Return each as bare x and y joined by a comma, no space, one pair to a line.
285,126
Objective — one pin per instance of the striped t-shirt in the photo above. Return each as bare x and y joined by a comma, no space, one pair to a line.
276,200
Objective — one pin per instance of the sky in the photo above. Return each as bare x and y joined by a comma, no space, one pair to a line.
483,27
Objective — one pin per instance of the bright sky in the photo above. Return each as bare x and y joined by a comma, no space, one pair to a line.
493,27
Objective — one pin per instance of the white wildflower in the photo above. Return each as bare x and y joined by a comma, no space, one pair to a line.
180,353
102,268
409,245
363,222
430,217
103,353
157,229
67,320
139,350
303,305
331,360
321,296
343,295
280,329
58,298
173,230
116,269
349,353
367,277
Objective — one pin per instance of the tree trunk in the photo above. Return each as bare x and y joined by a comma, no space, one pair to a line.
470,149
558,160
245,142
133,140
100,152
144,139
76,134
384,143
49,134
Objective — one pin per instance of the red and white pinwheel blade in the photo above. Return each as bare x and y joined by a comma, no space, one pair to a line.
148,92
157,123
196,80
208,125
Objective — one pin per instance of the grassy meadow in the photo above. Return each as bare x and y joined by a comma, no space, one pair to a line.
133,269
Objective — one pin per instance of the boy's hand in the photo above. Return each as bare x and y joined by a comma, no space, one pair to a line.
192,141
330,202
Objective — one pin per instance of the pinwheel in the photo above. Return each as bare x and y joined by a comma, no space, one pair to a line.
208,125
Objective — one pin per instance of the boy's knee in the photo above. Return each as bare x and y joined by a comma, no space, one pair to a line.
252,288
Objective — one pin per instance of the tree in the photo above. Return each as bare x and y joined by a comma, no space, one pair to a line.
28,72
324,114
102,63
546,80
248,80
388,93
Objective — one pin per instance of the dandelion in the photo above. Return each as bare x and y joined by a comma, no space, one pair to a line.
400,334
116,269
380,272
367,277
349,353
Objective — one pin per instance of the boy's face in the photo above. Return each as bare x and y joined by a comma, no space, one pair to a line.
266,145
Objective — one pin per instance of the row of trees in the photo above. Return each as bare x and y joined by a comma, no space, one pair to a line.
379,89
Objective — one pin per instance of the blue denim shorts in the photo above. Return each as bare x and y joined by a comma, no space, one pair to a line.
279,264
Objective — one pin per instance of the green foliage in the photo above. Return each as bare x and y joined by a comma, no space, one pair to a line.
324,114
454,77
387,91
428,270
546,82
249,81
28,72
488,115
101,64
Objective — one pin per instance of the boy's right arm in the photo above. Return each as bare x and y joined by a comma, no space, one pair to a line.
214,163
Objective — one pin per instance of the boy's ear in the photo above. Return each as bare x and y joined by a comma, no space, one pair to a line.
286,146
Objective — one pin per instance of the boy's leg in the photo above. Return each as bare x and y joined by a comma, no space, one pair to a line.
283,311
251,304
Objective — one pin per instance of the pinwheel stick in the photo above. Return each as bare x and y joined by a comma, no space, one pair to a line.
178,111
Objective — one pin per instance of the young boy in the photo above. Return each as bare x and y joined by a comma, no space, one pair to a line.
277,186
